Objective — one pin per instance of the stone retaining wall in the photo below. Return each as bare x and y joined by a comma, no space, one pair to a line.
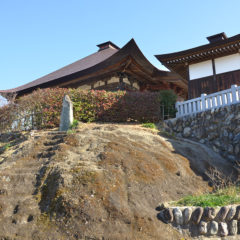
218,128
207,222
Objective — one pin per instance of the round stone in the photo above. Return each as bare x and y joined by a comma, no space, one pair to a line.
213,228
223,229
236,149
197,215
236,138
177,213
187,132
168,215
222,214
230,148
231,214
187,213
202,228
233,227
209,214
237,215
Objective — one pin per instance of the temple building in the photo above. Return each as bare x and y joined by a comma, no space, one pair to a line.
110,68
209,68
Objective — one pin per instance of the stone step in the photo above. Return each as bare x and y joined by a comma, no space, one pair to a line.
22,190
53,142
24,172
46,154
17,196
31,169
36,162
63,133
51,148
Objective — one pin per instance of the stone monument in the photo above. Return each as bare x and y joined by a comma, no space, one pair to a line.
67,114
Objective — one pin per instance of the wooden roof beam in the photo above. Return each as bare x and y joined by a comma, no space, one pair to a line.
137,76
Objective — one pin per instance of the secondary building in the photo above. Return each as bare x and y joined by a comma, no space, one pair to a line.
209,68
110,68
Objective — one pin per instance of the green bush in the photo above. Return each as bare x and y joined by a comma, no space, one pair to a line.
149,125
42,108
120,106
5,148
83,105
74,124
38,110
168,100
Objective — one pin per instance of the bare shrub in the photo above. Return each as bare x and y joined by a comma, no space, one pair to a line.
219,180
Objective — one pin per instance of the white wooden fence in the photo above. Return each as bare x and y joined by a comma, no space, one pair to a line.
206,102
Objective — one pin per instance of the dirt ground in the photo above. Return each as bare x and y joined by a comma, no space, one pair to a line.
102,182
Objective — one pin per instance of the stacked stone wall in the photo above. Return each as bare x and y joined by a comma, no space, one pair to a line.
217,128
208,221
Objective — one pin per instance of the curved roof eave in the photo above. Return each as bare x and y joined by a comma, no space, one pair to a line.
206,47
130,49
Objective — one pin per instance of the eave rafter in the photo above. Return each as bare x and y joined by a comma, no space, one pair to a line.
96,76
204,55
131,67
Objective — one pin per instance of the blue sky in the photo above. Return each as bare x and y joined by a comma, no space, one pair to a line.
38,37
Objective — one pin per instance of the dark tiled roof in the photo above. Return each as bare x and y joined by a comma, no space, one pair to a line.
206,47
100,61
77,66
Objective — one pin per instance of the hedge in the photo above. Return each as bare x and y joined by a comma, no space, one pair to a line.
42,108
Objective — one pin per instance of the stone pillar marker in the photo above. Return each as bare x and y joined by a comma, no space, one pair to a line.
66,114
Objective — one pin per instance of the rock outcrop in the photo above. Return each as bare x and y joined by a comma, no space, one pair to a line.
102,182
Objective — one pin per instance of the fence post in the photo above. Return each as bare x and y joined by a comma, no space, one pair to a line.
203,100
234,93
223,99
194,107
219,103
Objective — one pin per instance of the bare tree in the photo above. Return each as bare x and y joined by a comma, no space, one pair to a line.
219,180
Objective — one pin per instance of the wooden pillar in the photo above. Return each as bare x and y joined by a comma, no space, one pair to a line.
188,79
215,86
121,83
143,87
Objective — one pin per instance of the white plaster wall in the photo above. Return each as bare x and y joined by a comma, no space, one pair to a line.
135,85
228,63
126,81
200,70
85,87
98,84
113,80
